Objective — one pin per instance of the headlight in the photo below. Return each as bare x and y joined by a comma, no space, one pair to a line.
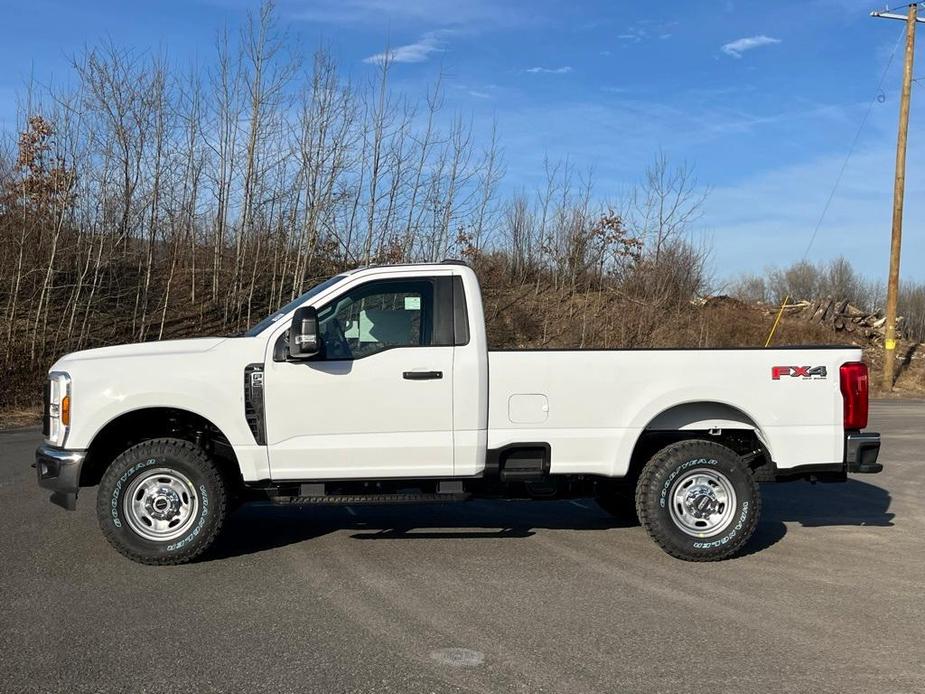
58,411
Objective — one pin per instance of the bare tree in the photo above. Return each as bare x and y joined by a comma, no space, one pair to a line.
667,203
150,201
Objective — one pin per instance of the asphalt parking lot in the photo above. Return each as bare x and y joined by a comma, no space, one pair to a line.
483,596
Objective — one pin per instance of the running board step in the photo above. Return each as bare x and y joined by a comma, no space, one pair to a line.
368,499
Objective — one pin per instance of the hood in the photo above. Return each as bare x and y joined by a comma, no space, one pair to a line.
144,349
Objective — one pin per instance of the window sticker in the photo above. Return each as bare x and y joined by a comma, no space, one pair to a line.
412,303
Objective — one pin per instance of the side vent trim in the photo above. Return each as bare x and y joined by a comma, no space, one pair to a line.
253,402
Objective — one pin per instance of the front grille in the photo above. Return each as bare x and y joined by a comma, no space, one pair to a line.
46,406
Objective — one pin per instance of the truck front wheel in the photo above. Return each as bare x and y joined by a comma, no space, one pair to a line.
698,500
162,501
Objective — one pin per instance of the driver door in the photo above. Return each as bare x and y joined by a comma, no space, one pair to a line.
377,401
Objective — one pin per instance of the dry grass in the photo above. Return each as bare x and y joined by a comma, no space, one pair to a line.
910,371
528,317
532,317
15,418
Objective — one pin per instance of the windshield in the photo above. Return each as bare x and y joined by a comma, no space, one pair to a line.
292,305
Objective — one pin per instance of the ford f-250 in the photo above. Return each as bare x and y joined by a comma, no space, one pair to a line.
377,386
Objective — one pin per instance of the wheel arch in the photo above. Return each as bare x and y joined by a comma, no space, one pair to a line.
711,420
134,426
702,415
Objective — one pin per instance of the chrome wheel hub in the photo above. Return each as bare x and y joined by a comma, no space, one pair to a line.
700,501
160,504
703,502
163,504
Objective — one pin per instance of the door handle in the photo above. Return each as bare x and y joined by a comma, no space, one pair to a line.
422,375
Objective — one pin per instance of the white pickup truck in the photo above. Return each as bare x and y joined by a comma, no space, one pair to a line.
377,386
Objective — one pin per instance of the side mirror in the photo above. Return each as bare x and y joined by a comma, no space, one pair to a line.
304,341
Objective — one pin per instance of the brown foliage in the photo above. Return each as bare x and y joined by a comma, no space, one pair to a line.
153,204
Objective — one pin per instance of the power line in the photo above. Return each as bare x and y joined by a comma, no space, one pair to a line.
841,173
854,142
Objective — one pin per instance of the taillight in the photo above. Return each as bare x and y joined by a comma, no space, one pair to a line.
854,385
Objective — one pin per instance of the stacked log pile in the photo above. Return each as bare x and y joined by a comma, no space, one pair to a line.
842,317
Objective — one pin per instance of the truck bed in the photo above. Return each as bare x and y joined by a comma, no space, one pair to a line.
591,406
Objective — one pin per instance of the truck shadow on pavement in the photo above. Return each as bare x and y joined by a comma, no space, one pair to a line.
261,527
817,505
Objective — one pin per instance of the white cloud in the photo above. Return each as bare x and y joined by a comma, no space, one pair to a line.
550,70
739,46
478,14
417,52
478,91
647,29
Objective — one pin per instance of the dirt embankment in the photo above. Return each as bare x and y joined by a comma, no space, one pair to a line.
851,325
550,319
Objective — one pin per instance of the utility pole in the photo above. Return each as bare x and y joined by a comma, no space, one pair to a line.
899,186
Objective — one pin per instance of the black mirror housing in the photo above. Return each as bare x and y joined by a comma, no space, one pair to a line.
304,341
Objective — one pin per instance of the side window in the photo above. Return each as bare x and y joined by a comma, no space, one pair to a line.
378,316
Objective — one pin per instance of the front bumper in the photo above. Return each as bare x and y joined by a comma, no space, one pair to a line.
861,452
58,469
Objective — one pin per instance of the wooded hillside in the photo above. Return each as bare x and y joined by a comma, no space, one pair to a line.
152,201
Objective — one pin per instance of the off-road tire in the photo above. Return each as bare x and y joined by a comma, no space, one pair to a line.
170,454
654,495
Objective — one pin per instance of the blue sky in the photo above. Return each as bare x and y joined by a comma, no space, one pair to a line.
763,98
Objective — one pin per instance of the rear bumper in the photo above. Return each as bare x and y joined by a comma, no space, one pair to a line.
58,469
861,452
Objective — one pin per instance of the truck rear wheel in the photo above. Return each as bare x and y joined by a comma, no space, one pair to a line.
162,501
698,500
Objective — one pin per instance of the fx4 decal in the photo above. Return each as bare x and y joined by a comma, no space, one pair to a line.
804,372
